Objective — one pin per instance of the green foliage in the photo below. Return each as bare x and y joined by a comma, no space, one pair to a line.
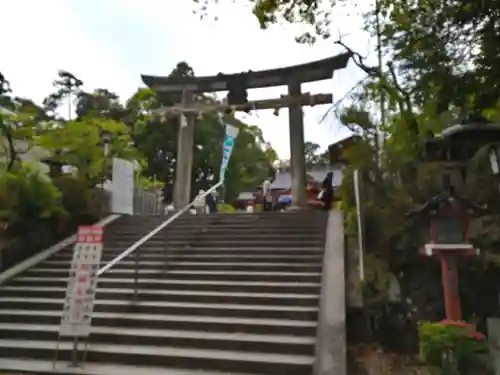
225,208
313,155
250,160
149,184
313,13
78,143
77,200
449,345
27,199
375,286
458,71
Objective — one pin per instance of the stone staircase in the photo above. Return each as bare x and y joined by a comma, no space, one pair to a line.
226,293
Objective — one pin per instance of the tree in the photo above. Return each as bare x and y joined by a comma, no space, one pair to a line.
78,143
5,129
66,86
99,104
313,156
315,13
19,120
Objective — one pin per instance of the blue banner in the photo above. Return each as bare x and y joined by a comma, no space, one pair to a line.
227,148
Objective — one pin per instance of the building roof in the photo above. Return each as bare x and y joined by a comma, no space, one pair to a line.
462,128
446,195
284,179
245,196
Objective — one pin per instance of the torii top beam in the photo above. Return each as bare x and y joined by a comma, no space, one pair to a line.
308,72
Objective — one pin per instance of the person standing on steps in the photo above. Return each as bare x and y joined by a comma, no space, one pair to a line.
211,203
199,203
327,196
267,200
167,197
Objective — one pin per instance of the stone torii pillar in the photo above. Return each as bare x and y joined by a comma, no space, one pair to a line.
297,160
184,158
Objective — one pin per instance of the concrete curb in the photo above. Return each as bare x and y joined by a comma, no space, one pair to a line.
331,352
44,254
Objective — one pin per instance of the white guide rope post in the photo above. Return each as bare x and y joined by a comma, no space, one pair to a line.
360,224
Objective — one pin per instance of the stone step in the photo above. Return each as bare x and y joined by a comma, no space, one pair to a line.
220,217
220,230
283,344
173,321
219,220
224,360
27,366
197,242
166,256
232,227
179,284
290,299
245,275
161,249
212,266
211,236
305,313
223,293
155,249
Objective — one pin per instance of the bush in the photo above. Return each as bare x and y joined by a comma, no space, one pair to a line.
30,211
26,198
225,208
77,200
450,345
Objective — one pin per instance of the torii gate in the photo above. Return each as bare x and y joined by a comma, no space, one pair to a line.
237,85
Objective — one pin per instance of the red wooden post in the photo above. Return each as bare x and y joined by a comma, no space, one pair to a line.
451,290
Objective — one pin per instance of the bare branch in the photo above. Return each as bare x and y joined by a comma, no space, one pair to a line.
391,86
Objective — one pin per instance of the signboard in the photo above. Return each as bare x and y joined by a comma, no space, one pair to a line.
230,138
122,197
82,282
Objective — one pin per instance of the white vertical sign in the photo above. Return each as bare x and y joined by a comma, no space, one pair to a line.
82,283
227,148
122,197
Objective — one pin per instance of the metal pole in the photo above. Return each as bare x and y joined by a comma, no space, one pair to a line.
360,226
155,205
56,356
74,352
102,200
136,275
85,350
143,202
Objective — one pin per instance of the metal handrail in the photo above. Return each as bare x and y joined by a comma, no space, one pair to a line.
155,231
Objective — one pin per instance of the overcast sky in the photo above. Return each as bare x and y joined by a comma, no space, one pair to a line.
109,43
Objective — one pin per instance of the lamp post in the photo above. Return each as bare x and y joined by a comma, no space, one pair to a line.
106,139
